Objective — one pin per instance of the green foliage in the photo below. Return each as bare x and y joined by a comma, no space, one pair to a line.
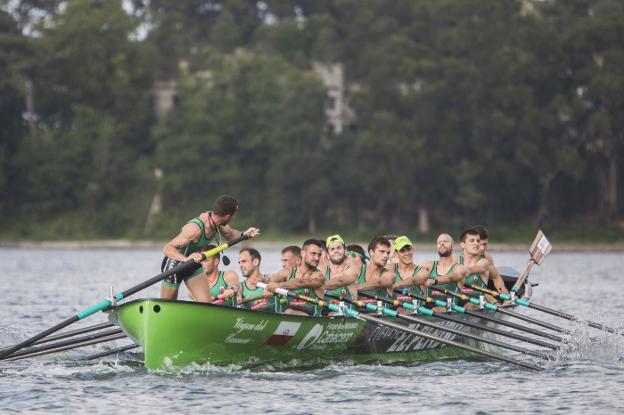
493,112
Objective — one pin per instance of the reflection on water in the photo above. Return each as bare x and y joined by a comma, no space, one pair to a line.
47,286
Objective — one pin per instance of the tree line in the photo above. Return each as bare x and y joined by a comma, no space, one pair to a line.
499,112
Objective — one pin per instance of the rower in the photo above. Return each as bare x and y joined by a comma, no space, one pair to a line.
405,269
336,282
304,280
291,257
213,286
356,255
194,237
445,271
249,262
495,276
476,266
375,277
392,259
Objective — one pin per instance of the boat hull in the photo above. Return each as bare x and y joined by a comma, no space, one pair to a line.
180,333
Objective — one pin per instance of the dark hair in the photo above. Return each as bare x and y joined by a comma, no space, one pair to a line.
312,242
358,250
469,231
390,236
378,240
225,205
293,249
322,242
208,248
253,253
482,231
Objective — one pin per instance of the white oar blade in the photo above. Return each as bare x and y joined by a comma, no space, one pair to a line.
540,248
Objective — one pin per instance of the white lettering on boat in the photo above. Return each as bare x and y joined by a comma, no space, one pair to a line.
319,337
409,342
240,326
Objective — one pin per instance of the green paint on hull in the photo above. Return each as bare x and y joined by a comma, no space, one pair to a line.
178,333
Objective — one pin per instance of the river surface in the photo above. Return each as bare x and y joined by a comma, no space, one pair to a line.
43,287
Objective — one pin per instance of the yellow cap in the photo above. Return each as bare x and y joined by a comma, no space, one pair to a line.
401,242
334,238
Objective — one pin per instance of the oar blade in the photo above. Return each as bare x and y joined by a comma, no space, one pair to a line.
540,248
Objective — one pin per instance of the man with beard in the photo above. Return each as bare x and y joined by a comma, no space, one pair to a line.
194,237
445,271
291,257
252,297
497,280
335,281
305,280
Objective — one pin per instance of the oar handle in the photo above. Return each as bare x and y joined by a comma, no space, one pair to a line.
320,303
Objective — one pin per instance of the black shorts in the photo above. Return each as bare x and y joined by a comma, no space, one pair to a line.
176,279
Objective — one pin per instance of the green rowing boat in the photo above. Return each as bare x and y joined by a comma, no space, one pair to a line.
179,333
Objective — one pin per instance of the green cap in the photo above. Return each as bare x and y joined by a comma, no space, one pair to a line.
334,238
401,242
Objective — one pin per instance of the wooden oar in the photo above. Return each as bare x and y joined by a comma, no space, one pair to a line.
566,316
68,347
189,265
109,352
423,310
451,317
399,327
538,251
494,307
462,310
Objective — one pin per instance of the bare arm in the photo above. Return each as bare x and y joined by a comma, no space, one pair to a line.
188,234
498,281
386,280
315,280
230,233
280,276
349,276
456,275
478,267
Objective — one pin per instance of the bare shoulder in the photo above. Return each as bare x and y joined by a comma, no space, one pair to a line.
427,265
231,276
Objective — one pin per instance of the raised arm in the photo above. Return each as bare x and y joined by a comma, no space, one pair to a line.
230,233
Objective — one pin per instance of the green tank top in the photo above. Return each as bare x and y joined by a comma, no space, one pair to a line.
301,304
450,286
201,243
341,291
382,292
261,304
472,278
413,290
219,286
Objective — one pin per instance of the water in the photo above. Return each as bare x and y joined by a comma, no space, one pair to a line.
44,287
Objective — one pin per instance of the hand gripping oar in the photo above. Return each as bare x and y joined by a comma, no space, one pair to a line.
399,327
425,311
504,322
493,307
189,265
461,310
566,316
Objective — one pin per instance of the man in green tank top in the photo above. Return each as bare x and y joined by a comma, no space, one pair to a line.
306,280
405,268
210,285
476,267
445,271
291,257
375,277
495,276
338,263
252,297
194,237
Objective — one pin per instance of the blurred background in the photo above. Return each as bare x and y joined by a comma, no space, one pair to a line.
124,119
